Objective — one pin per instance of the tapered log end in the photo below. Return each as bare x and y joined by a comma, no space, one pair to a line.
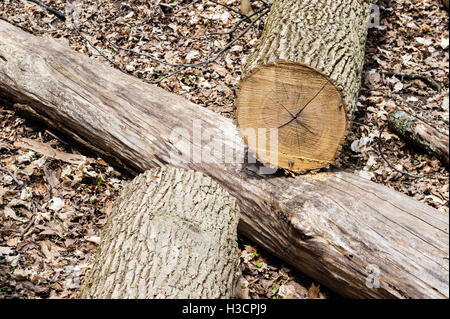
291,116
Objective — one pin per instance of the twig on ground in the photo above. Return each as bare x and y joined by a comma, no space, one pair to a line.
412,76
167,5
99,52
168,75
152,57
30,223
57,13
18,182
56,137
206,62
9,230
267,5
237,24
185,6
358,123
231,9
184,66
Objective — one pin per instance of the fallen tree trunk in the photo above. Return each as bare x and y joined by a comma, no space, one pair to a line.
420,134
171,234
303,80
334,227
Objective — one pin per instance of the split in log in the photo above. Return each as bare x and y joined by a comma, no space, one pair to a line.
420,134
171,234
335,227
302,80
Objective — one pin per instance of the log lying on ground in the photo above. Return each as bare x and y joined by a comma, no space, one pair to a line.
420,134
171,234
303,79
334,227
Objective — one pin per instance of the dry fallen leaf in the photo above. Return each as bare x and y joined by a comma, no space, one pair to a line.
313,291
56,204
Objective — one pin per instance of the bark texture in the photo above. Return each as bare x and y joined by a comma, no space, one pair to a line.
420,134
335,227
171,234
303,79
329,36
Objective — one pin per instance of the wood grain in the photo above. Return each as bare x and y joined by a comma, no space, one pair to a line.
302,80
303,107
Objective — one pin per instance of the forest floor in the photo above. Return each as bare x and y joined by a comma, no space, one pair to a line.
55,198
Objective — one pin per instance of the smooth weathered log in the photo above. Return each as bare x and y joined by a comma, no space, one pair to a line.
172,233
303,79
335,227
420,134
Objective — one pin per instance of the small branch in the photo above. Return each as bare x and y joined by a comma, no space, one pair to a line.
167,5
57,13
18,182
237,24
152,57
167,76
9,230
231,9
184,65
185,7
99,52
230,43
412,76
267,5
22,234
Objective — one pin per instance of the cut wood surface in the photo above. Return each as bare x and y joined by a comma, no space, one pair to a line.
419,134
303,80
171,234
335,227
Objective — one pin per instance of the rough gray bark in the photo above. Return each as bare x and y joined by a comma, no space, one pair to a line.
335,227
171,234
420,134
328,36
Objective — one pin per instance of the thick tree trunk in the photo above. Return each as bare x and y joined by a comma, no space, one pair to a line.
303,79
420,134
171,234
335,227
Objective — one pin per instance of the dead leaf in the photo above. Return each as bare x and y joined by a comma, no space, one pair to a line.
313,291
39,189
56,204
